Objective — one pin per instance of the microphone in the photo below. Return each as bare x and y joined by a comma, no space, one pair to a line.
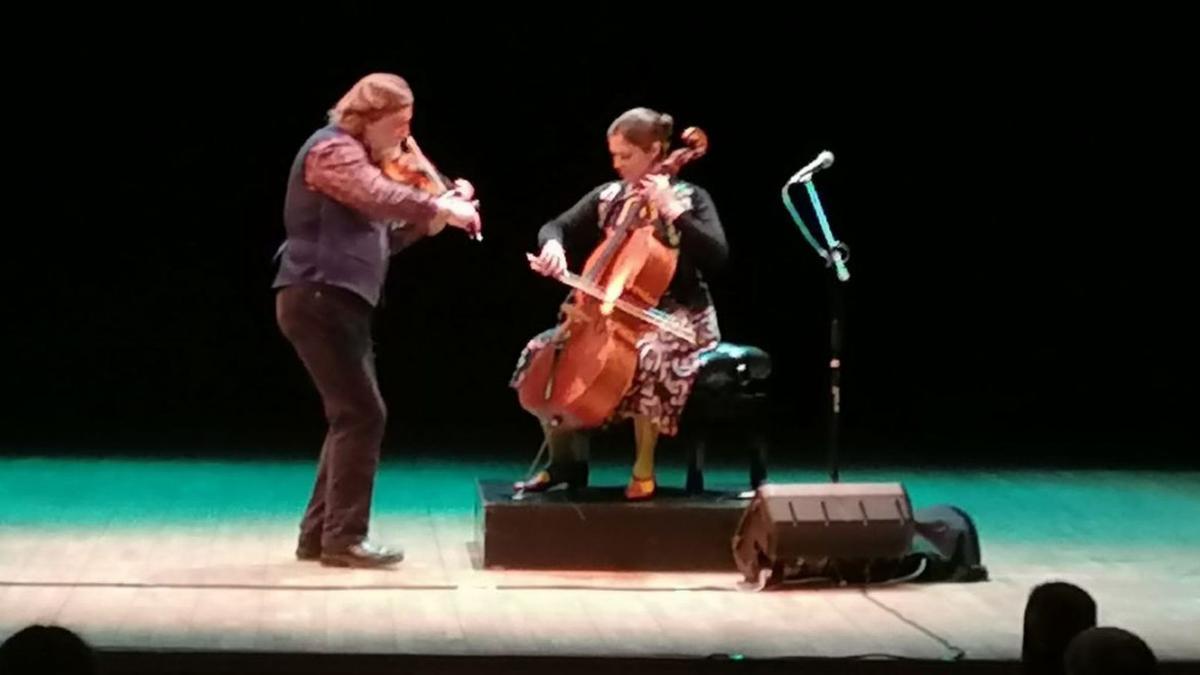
823,161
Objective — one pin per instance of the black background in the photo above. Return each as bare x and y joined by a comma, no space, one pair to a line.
1020,287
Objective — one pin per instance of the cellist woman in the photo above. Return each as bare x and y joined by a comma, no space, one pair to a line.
684,218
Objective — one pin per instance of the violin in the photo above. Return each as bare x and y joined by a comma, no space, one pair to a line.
578,380
410,166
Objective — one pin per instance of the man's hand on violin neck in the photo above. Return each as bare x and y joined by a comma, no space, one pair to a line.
464,189
459,212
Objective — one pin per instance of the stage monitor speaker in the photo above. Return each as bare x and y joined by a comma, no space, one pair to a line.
788,524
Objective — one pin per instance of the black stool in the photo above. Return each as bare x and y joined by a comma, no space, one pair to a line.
730,390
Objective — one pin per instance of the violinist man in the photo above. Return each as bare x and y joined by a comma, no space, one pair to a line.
344,217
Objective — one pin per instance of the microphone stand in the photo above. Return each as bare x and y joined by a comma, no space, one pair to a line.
835,255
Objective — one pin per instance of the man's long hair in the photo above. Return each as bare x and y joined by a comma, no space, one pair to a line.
370,98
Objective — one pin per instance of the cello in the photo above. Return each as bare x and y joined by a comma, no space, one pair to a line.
580,377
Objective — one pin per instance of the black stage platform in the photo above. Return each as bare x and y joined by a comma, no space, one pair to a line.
597,529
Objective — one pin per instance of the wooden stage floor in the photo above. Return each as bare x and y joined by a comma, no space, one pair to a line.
196,556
